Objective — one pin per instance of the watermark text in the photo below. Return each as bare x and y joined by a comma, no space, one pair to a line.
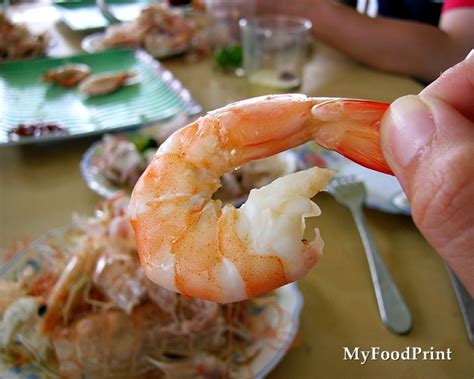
410,353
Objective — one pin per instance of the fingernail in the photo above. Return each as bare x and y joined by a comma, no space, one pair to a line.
470,55
408,127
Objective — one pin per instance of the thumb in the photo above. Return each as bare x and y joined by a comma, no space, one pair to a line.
430,147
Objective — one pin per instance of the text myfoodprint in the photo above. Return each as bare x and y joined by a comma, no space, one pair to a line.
410,353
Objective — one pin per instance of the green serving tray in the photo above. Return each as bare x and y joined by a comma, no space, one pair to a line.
24,98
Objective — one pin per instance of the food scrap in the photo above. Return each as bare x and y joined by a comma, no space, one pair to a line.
68,75
37,129
104,83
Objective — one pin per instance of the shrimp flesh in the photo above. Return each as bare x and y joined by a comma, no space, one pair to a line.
189,244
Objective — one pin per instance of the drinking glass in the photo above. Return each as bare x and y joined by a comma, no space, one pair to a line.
274,51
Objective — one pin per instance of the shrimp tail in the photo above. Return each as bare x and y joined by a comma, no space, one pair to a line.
352,128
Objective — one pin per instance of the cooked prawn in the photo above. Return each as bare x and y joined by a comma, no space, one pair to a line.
189,244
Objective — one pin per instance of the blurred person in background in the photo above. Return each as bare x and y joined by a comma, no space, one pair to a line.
419,38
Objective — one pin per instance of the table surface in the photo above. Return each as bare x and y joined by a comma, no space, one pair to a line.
41,187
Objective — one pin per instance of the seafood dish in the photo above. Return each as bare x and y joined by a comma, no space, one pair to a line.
190,244
87,310
158,29
105,83
68,75
124,159
17,42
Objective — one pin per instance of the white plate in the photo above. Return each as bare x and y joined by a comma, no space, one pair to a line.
94,43
272,348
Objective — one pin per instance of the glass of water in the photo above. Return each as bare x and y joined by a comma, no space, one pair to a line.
274,51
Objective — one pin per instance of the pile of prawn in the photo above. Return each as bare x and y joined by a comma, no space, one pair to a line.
91,313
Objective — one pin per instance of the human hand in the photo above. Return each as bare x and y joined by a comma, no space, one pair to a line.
428,141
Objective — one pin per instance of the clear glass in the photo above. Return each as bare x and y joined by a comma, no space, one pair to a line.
225,16
274,50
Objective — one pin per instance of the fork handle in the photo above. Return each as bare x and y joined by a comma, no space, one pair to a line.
393,309
466,303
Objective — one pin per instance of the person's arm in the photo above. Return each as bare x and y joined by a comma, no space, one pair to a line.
399,46
405,47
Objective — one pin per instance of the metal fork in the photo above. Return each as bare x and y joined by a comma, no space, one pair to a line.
350,192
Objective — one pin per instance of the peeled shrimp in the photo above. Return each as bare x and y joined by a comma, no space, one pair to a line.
189,244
